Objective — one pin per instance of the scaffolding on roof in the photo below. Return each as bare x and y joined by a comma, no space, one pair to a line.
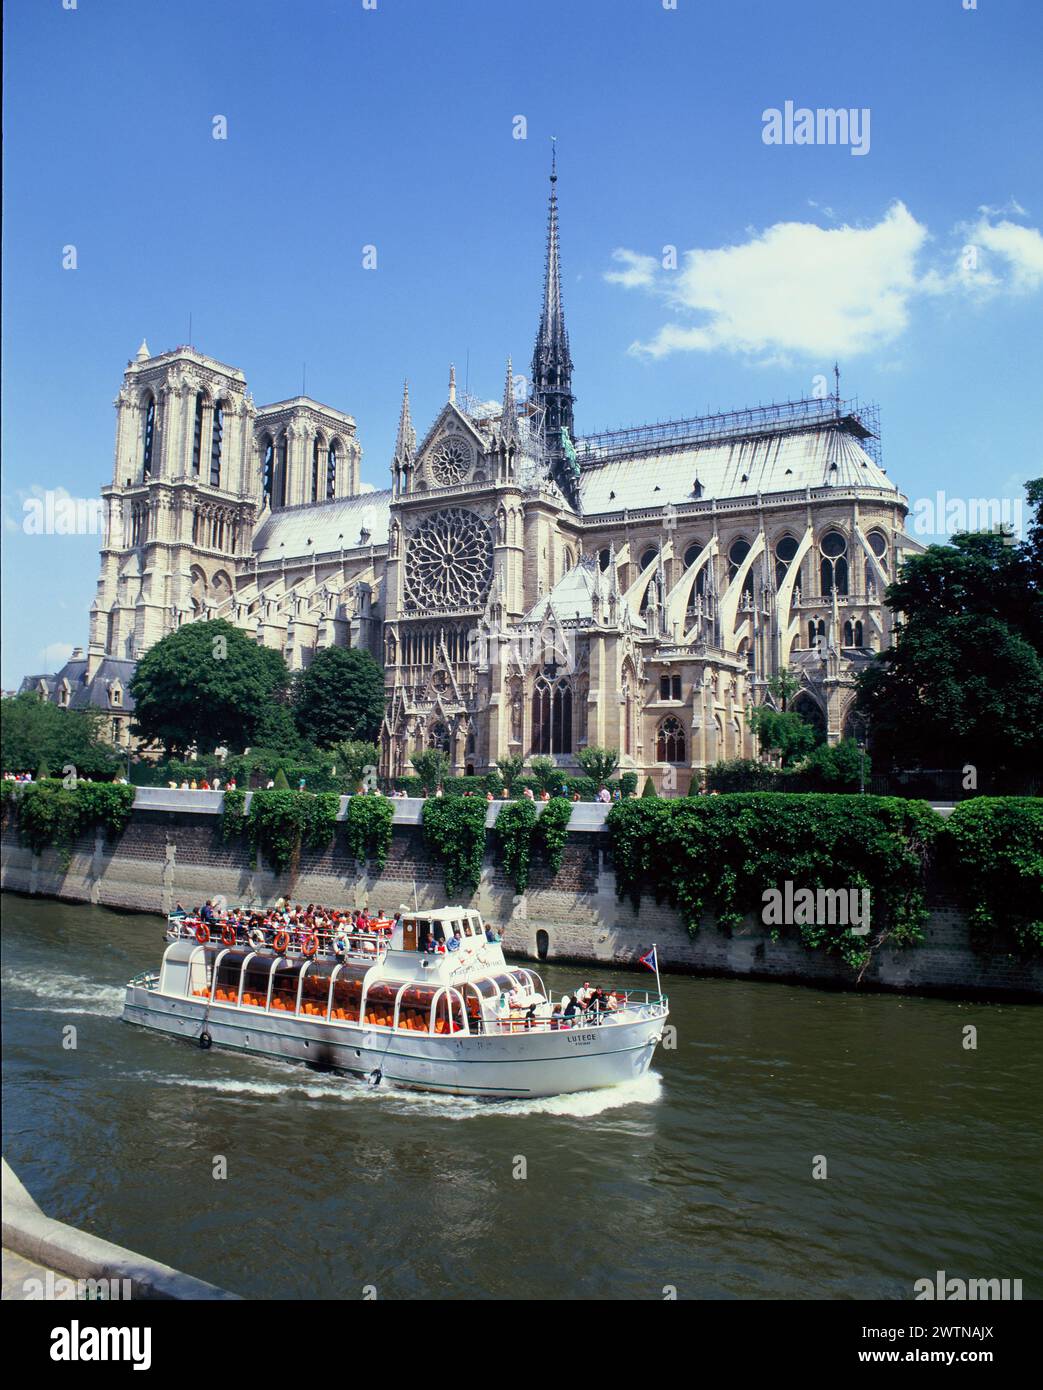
861,419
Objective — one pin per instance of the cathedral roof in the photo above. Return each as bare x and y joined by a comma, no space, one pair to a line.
829,454
331,526
570,599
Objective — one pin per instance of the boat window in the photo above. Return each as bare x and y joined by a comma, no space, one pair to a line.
315,993
228,971
380,1003
473,1004
414,1008
255,982
489,989
347,995
449,1012
284,987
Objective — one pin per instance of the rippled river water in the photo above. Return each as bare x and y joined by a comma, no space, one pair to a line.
698,1177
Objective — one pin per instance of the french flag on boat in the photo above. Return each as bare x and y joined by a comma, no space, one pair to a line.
650,961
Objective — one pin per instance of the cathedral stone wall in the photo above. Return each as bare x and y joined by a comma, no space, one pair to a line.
168,857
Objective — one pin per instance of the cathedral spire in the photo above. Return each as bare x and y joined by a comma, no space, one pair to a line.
405,441
509,414
551,362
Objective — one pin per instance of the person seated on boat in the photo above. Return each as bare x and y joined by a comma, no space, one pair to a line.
207,913
584,994
454,940
569,1008
490,933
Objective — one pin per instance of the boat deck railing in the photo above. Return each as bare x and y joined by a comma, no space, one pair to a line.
308,945
642,1002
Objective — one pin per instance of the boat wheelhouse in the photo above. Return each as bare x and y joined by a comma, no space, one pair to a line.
438,1007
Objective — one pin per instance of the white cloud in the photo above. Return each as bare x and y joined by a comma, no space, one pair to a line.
366,487
799,289
1020,247
640,270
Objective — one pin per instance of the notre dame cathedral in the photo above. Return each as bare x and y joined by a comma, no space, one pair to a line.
528,589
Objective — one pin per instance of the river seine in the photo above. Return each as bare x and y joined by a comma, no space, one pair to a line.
698,1179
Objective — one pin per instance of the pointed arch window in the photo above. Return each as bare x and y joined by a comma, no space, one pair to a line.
315,469
216,443
786,548
148,448
736,555
671,745
551,716
834,563
197,432
331,472
267,470
280,473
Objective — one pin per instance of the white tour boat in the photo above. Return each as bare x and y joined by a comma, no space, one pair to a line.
431,1004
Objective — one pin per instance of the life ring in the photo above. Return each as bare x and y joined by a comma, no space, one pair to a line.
228,934
202,933
311,945
282,940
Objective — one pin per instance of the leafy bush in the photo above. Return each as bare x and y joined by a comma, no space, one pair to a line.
368,828
51,815
454,830
551,832
282,822
993,852
514,827
720,854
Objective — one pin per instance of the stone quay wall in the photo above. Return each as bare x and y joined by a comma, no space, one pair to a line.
172,852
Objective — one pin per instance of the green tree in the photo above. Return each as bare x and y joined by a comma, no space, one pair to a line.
510,770
281,781
782,732
963,683
543,770
35,733
351,758
598,763
839,767
649,788
339,696
432,767
783,685
204,684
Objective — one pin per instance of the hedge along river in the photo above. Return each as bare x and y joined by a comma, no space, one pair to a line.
699,1178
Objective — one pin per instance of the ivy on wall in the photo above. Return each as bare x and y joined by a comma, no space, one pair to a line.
514,827
993,854
368,828
52,814
524,834
454,830
721,854
280,824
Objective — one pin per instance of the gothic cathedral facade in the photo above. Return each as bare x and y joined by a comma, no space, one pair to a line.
530,591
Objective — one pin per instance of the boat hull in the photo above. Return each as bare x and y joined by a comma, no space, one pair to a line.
538,1063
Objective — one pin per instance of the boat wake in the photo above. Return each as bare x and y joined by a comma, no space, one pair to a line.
645,1090
65,994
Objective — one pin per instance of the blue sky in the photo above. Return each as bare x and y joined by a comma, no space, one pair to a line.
394,127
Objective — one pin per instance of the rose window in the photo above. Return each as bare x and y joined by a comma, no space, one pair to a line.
450,462
449,561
